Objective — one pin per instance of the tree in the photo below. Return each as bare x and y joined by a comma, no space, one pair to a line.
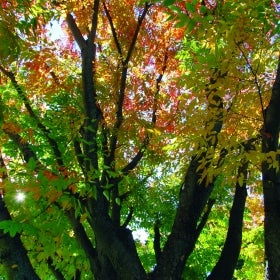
135,121
270,143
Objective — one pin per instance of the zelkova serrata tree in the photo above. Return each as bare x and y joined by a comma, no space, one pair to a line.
90,122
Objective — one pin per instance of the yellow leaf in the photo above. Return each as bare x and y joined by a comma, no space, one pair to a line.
240,179
155,131
83,217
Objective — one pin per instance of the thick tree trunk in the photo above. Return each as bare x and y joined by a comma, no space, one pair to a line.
226,264
271,182
116,250
13,254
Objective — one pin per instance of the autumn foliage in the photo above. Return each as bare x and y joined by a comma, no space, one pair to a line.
126,117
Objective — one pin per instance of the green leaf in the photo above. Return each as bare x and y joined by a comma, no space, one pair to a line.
175,9
31,164
106,194
182,21
191,25
118,201
203,9
190,7
168,2
11,227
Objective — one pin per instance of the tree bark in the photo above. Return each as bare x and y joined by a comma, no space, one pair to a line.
226,264
271,183
13,253
117,248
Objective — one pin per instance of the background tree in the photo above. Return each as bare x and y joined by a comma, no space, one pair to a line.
130,121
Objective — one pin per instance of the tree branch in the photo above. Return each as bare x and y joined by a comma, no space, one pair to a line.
157,237
194,194
254,73
79,155
133,163
272,112
134,39
3,174
75,31
53,144
83,239
158,81
271,179
113,29
128,218
28,153
16,252
94,21
23,146
119,111
226,264
93,114
205,216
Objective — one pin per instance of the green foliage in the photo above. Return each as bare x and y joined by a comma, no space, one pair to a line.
78,172
11,227
9,47
168,2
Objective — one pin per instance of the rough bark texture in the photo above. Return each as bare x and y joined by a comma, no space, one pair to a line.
271,183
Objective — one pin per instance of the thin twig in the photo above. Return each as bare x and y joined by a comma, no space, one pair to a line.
113,29
254,73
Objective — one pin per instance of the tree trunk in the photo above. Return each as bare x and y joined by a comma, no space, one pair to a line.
13,254
117,251
271,182
226,264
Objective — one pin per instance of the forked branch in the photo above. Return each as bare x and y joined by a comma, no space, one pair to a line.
123,80
255,75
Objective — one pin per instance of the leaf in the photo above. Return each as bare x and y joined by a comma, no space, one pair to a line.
118,201
175,9
155,131
168,2
11,227
9,47
83,217
190,7
191,25
203,9
107,194
42,256
240,179
31,165
66,204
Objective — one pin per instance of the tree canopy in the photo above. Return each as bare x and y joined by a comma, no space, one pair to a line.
139,140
